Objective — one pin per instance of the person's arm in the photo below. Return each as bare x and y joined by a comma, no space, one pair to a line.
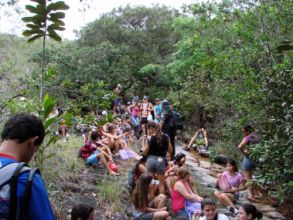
171,169
192,140
170,148
179,187
142,168
206,137
129,108
151,107
145,147
149,209
241,146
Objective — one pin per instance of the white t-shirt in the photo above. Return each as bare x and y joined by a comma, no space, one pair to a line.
220,217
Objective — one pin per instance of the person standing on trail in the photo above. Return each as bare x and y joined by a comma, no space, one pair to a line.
168,123
248,166
21,137
158,110
134,119
145,110
155,147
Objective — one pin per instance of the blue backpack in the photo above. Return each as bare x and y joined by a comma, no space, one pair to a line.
8,191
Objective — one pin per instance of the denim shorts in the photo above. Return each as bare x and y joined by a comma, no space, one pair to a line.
247,164
92,159
143,215
156,164
182,215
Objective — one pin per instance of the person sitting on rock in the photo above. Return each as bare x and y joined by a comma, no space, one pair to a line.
171,173
229,183
200,138
82,212
93,156
209,210
145,208
182,191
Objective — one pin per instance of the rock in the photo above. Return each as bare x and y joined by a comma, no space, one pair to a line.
265,208
217,168
221,158
89,189
203,152
205,165
275,215
71,187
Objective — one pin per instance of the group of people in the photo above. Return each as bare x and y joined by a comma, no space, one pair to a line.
159,173
157,177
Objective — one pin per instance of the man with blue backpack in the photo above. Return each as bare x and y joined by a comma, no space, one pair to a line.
22,192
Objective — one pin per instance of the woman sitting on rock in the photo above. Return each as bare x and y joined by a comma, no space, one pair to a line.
181,192
229,184
144,207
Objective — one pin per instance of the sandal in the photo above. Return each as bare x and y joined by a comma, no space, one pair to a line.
186,149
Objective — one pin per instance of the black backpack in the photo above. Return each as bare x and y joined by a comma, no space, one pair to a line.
8,186
178,119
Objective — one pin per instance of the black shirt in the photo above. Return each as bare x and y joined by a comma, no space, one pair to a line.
158,149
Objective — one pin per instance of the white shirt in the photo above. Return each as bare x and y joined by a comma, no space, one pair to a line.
220,217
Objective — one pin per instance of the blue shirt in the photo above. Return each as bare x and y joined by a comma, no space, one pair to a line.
39,207
158,111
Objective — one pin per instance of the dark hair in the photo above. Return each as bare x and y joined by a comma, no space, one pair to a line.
82,211
136,168
158,134
23,126
250,209
141,191
95,135
247,128
207,201
178,157
233,163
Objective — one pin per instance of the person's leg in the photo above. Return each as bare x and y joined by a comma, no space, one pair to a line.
161,215
161,178
103,161
160,201
224,198
248,177
172,140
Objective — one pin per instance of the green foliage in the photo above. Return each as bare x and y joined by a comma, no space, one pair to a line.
46,21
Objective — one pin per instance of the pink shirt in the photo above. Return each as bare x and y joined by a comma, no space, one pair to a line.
177,199
234,181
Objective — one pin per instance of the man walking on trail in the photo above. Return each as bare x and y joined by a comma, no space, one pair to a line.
21,137
168,123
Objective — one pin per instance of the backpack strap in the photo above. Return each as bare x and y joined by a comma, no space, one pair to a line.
27,194
13,190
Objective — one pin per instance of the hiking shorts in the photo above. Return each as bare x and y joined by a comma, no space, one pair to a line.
156,164
143,120
247,164
92,159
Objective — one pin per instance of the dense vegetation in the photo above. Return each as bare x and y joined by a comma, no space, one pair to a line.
222,65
